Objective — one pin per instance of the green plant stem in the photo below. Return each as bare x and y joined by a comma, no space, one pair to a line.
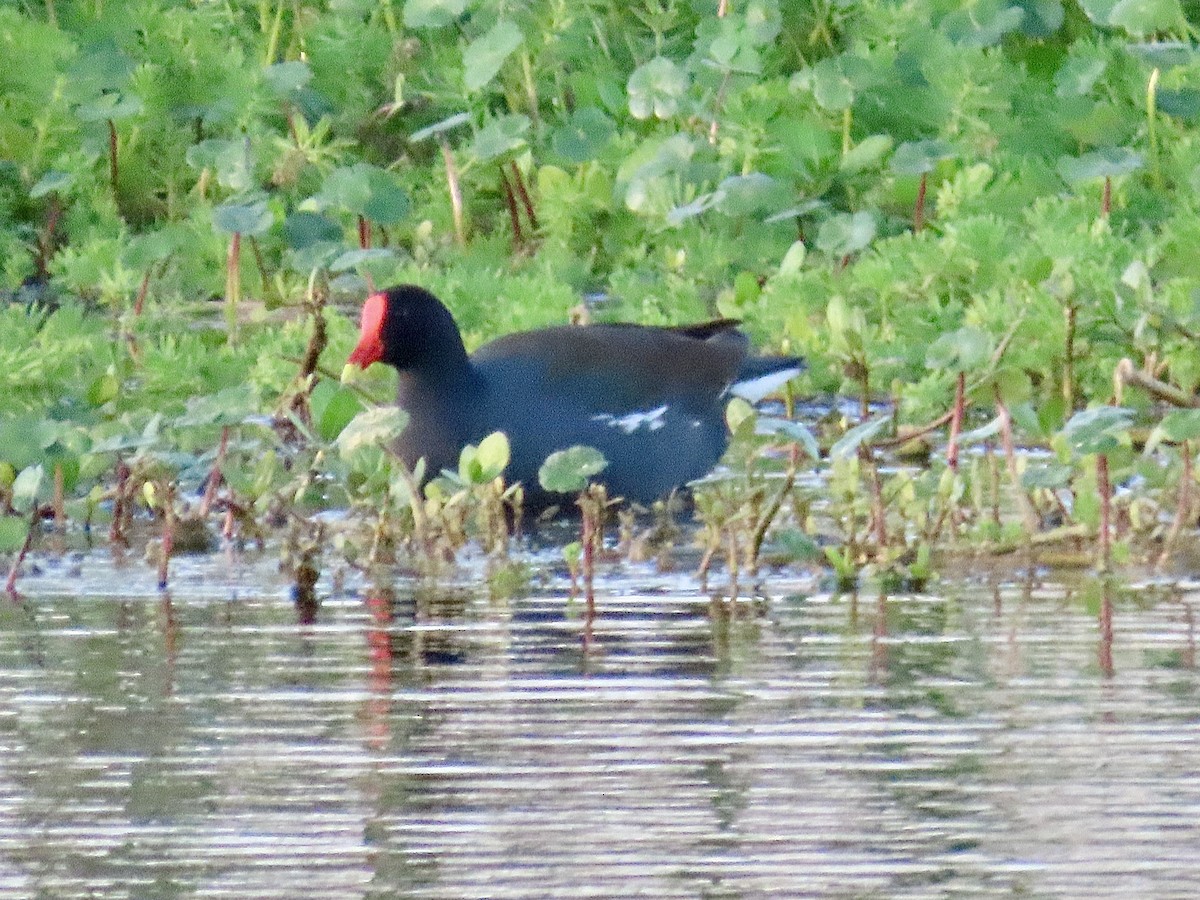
113,166
531,93
846,120
51,13
455,187
1068,383
233,285
270,54
1152,129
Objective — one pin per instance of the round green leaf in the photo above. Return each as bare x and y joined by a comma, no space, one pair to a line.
569,471
843,234
243,218
584,135
1108,162
920,157
287,77
656,88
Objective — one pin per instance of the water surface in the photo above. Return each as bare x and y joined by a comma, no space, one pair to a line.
982,740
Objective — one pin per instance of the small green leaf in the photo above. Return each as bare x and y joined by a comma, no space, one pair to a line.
485,55
333,408
847,446
1097,430
485,463
230,406
792,431
27,486
793,260
866,154
352,259
433,13
500,136
52,181
371,428
13,530
569,471
740,414
447,124
1143,17
959,351
103,389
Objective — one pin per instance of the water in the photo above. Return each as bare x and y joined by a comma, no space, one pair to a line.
985,740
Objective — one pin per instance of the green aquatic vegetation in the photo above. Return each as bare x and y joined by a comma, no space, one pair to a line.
970,214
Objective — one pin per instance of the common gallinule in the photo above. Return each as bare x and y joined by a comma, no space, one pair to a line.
650,399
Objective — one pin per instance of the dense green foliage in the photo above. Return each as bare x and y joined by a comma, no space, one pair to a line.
902,191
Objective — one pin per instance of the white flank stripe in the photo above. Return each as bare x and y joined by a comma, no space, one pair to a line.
652,420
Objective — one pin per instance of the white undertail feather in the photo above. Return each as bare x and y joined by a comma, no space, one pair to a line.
755,389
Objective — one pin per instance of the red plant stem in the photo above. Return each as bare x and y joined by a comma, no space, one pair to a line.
1105,488
1106,202
514,216
168,537
46,239
956,422
1104,651
112,156
919,210
116,532
878,511
214,477
60,514
589,572
10,586
140,303
364,233
524,195
1028,515
291,124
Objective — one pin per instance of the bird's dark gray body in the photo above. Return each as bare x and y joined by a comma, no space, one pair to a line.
650,399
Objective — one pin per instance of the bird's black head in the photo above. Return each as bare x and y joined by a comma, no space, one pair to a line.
408,328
